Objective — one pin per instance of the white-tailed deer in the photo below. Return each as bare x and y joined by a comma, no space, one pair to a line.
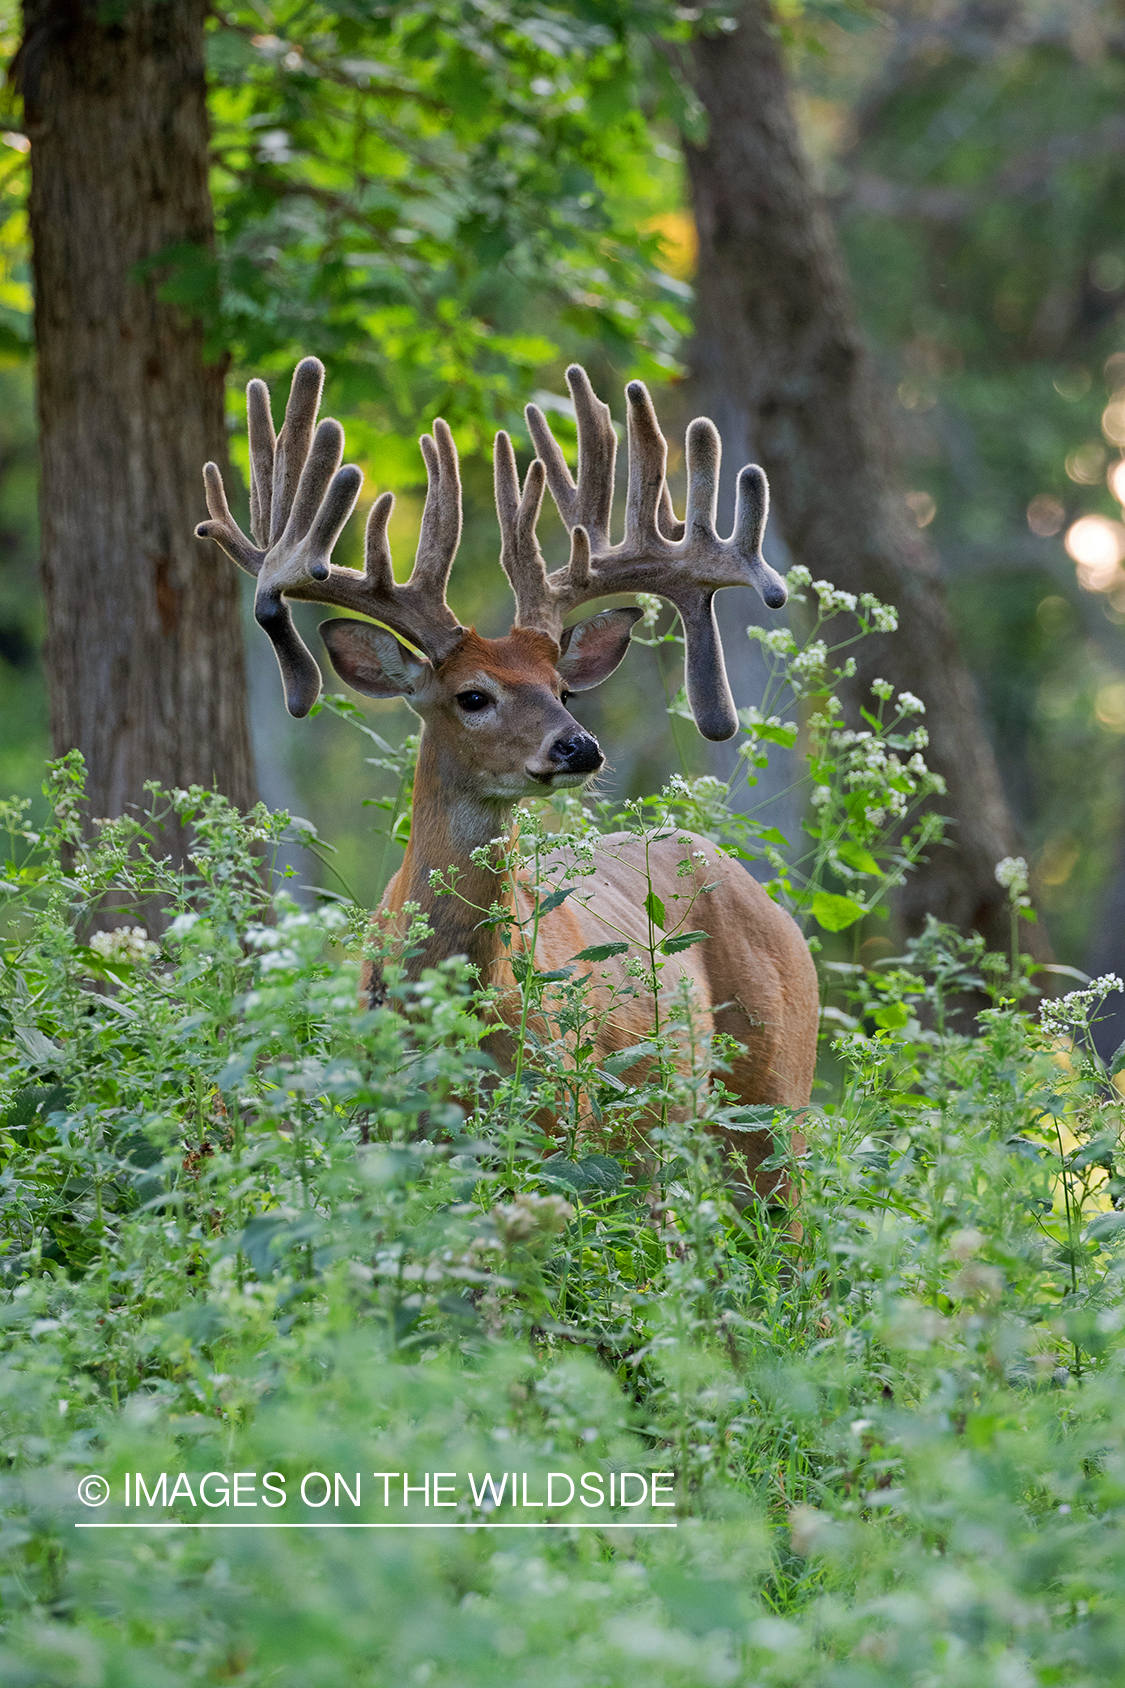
496,726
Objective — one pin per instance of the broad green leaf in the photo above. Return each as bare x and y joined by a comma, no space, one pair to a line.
601,952
682,941
891,1016
1106,1225
626,1058
1098,1152
654,908
554,899
855,856
835,913
786,736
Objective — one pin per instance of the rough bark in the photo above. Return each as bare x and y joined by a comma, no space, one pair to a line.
777,332
144,645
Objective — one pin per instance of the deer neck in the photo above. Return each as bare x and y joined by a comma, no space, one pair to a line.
449,824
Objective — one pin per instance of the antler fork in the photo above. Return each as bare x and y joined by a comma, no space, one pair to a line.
300,499
685,562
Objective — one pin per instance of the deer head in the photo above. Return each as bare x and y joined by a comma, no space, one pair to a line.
497,705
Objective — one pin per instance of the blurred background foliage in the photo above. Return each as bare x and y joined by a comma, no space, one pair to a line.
449,201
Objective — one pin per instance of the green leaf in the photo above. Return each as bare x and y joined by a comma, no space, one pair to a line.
1106,1225
600,952
892,1016
38,1048
683,941
836,913
786,736
625,1058
855,856
555,899
654,908
755,1117
1098,1152
592,1172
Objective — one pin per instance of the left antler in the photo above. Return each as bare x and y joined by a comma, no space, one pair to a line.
685,562
300,499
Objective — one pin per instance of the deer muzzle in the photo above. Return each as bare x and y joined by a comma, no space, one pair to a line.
573,753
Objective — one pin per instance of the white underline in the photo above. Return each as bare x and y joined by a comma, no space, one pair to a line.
172,1525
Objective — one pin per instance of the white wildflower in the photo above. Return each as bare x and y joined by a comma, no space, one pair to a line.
530,1216
777,640
832,598
811,660
882,688
1072,1011
798,578
650,606
1012,874
128,944
910,705
883,617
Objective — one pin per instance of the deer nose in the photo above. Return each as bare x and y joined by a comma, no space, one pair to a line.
576,753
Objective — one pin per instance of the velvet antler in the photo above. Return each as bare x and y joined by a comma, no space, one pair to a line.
685,562
300,499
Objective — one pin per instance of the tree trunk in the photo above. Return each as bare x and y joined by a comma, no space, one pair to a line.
777,330
144,644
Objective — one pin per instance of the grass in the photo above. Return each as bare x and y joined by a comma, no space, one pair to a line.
251,1228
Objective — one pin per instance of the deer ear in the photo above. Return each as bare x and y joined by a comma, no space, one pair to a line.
372,660
591,650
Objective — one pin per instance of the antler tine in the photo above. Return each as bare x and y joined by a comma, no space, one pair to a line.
648,458
263,445
520,556
294,440
441,517
588,504
704,453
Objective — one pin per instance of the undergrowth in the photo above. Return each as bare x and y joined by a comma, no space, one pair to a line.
250,1227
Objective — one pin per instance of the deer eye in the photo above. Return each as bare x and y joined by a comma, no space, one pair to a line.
471,702
564,696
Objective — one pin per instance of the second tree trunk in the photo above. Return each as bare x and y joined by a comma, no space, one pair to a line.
777,337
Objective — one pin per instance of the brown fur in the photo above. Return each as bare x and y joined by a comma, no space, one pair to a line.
753,979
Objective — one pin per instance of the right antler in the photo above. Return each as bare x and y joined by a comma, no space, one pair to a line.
685,562
300,499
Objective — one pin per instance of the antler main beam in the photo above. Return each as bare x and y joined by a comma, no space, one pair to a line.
300,499
685,562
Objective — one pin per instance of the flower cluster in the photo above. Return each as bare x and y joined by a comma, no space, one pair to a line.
529,1218
126,944
867,763
832,599
1072,1012
650,607
883,618
1012,874
778,641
